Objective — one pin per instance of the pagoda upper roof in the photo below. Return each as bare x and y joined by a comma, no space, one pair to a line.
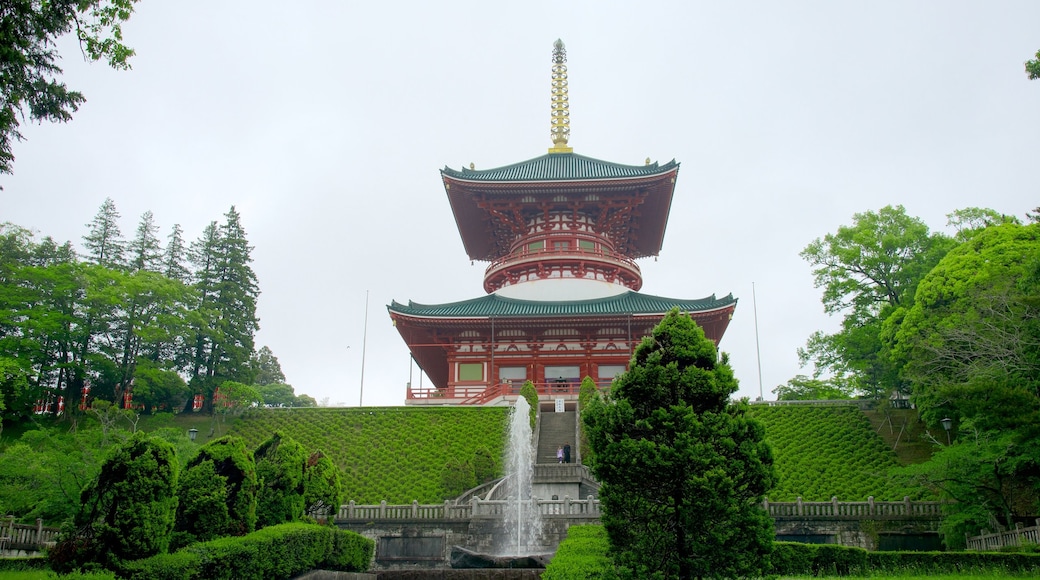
626,303
629,202
560,167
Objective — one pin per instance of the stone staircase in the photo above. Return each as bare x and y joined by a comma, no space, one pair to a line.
555,429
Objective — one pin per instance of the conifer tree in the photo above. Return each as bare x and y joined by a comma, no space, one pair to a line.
127,511
175,256
145,250
683,470
104,241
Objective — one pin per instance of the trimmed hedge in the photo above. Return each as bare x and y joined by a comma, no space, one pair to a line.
281,551
584,554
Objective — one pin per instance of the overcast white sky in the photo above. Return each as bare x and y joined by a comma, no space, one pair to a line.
325,124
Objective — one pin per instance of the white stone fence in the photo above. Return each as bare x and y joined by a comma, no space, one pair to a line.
589,508
856,510
475,508
987,542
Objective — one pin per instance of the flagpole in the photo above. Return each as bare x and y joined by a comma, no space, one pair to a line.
364,344
758,352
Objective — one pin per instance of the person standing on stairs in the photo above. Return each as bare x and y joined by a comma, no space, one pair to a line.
566,452
559,455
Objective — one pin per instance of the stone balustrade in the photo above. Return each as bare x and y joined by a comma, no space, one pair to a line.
862,510
478,508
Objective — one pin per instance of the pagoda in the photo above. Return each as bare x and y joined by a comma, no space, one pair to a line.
561,234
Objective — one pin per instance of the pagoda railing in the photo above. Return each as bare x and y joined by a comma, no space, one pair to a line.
557,258
482,394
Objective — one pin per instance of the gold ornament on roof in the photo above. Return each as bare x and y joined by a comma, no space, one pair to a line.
561,122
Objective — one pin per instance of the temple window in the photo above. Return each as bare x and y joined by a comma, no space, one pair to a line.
471,371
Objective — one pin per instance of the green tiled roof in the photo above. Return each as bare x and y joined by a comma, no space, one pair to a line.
560,167
627,303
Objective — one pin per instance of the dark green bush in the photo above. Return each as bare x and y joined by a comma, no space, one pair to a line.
217,493
793,559
126,512
351,552
280,551
280,464
834,560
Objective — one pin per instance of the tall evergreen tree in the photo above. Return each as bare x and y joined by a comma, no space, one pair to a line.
104,242
226,294
145,250
175,256
683,470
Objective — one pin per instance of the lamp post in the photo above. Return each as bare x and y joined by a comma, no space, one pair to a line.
947,423
192,433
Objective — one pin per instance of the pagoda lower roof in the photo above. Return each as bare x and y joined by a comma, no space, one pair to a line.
560,167
493,305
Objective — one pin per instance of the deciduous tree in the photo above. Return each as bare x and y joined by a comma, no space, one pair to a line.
867,270
1033,67
29,86
683,470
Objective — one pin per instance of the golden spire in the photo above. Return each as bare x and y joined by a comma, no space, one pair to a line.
561,121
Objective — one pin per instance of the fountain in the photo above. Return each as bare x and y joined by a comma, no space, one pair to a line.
517,543
522,519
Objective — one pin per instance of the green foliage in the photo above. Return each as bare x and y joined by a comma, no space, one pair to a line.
588,394
43,472
217,493
267,369
867,270
322,490
583,554
395,454
277,394
528,392
683,471
226,289
485,468
1033,67
127,512
792,559
971,345
351,552
280,464
31,87
158,388
803,388
282,551
457,477
825,452
969,341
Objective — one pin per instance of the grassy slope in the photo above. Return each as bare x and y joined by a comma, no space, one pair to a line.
392,453
398,453
824,452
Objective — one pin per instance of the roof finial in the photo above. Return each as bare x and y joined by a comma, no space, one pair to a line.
561,122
